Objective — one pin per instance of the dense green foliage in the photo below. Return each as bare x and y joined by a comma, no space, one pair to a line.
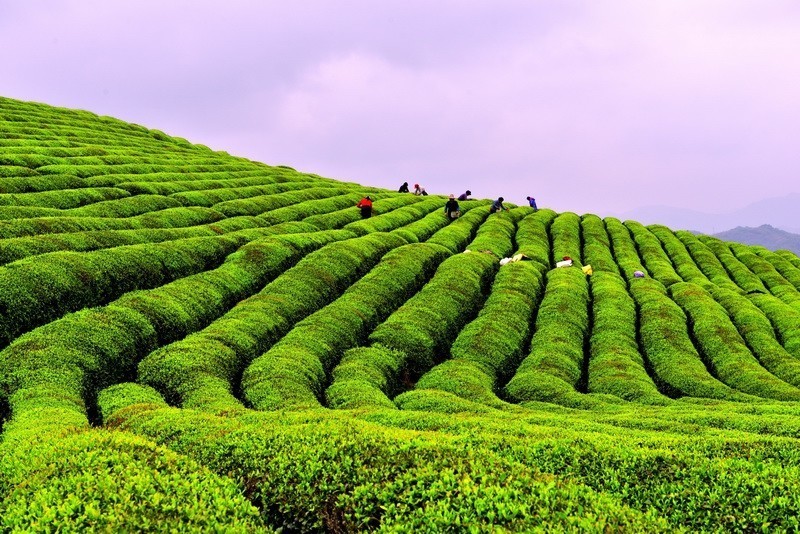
195,341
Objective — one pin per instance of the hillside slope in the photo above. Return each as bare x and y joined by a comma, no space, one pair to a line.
192,340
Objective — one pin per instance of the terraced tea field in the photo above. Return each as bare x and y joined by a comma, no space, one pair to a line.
196,341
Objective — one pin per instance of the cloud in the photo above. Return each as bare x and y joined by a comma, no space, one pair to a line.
589,106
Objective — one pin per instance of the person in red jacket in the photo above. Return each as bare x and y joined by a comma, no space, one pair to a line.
365,204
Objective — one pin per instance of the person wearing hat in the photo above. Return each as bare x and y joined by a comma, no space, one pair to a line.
465,196
365,204
532,202
417,189
451,209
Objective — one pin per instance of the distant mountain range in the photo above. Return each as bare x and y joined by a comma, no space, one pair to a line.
780,213
764,235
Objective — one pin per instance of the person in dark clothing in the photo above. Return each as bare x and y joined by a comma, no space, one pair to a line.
403,188
465,196
365,205
497,205
532,202
451,209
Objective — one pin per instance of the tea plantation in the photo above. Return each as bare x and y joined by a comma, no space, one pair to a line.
195,341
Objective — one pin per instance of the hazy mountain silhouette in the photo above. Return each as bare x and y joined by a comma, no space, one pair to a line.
778,212
765,235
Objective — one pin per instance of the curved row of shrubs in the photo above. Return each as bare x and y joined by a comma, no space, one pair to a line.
597,245
565,234
738,272
50,375
294,372
758,332
168,218
682,261
677,367
489,348
203,369
707,261
349,214
616,366
722,347
658,263
420,331
554,368
37,290
623,248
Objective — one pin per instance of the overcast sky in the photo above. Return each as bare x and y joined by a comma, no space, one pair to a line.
590,106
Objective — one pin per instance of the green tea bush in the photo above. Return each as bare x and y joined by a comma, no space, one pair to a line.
427,323
294,372
766,272
707,261
456,235
342,217
616,367
781,263
623,247
723,348
489,349
739,273
565,234
785,320
676,365
263,203
758,332
394,219
210,360
225,192
301,210
596,245
684,265
40,289
63,199
553,370
532,236
114,481
655,259
345,475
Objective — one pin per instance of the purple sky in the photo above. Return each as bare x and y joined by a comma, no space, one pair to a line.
590,106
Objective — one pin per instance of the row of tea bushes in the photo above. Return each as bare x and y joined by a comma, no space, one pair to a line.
759,334
723,349
349,214
707,261
314,472
565,232
682,261
533,238
489,348
167,218
677,367
597,245
258,205
202,369
657,261
51,374
616,366
37,290
766,272
739,273
294,371
623,248
226,192
554,368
